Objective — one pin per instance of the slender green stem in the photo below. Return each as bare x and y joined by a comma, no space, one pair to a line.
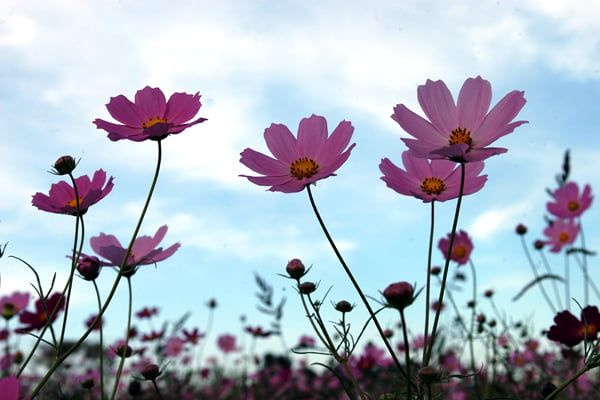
429,346
156,389
428,285
124,354
567,284
584,267
101,344
569,381
554,285
536,276
356,285
406,352
472,329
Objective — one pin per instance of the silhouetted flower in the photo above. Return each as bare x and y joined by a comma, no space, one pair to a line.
399,295
570,331
151,116
299,161
461,131
13,304
39,318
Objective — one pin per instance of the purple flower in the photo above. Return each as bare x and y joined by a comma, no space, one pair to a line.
570,331
13,304
459,132
461,247
61,198
9,387
561,233
144,250
298,162
150,116
569,202
431,180
39,318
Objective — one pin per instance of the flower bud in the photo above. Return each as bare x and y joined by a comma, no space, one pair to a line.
343,306
488,293
307,287
123,351
87,383
151,372
521,229
295,269
135,388
435,270
399,295
64,165
89,267
538,245
429,375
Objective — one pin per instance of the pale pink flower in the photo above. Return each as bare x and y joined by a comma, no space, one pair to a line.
561,233
461,247
569,202
174,346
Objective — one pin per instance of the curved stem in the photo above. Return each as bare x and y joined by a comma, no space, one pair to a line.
536,276
429,346
428,285
124,354
356,285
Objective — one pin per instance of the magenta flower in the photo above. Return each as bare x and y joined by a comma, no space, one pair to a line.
461,248
151,116
39,318
62,200
227,343
561,233
459,132
299,162
431,180
143,251
9,388
13,304
174,346
569,202
570,331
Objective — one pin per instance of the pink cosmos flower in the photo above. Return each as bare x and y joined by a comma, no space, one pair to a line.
61,198
459,132
227,343
461,248
561,233
299,161
39,318
431,180
569,202
151,116
570,331
174,346
9,387
13,304
143,252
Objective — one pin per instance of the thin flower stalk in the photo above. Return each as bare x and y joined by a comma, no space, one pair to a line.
100,342
536,277
428,284
356,286
127,332
406,353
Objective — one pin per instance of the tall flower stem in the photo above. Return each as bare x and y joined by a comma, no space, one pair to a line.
113,290
356,286
472,330
101,344
536,276
429,346
124,354
406,352
428,285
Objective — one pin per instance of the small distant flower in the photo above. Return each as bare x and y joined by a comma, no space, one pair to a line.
300,161
561,233
436,305
461,248
151,372
143,252
459,131
227,343
569,202
151,116
13,304
570,331
9,387
344,306
431,180
90,321
538,244
193,336
147,312
258,331
152,336
521,229
306,341
62,200
174,346
212,304
399,295
38,319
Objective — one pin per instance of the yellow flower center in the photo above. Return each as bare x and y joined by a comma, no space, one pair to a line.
573,206
460,135
304,168
563,237
589,331
460,251
154,121
73,203
433,185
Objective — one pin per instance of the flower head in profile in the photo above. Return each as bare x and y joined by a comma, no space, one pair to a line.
13,304
561,233
43,309
431,180
459,131
569,202
570,331
461,248
144,250
62,200
312,156
150,115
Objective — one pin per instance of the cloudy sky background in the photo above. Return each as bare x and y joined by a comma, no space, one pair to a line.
258,62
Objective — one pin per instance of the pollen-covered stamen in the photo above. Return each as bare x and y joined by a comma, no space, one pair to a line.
304,168
433,185
460,135
73,203
573,206
563,237
154,121
459,251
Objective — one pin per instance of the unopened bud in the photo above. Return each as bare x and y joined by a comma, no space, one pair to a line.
64,165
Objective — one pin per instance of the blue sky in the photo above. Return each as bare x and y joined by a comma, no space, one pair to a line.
258,62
